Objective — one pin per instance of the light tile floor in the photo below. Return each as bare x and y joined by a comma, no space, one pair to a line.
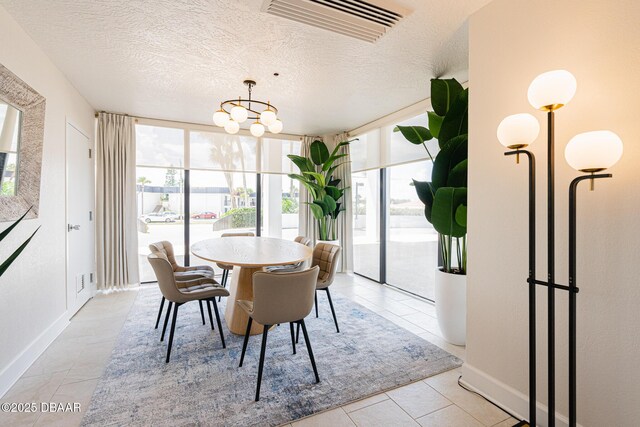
70,368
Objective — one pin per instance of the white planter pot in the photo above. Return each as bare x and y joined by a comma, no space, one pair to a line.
451,306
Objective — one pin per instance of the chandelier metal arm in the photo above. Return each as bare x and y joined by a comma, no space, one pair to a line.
227,105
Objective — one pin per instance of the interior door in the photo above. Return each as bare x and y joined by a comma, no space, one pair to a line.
80,219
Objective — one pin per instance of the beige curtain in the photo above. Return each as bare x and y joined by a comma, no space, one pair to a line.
345,224
306,221
116,235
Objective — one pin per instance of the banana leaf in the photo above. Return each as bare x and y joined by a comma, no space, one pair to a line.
319,152
455,122
445,204
6,263
414,134
443,93
454,152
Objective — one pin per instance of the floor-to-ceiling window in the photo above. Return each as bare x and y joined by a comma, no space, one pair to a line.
160,191
195,183
280,194
365,199
393,241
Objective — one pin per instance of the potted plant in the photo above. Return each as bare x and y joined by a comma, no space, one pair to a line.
445,199
316,174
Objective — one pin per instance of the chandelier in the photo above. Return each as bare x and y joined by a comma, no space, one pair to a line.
232,112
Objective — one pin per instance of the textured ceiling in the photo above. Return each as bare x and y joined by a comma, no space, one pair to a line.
177,59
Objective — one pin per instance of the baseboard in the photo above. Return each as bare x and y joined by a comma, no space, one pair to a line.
25,359
506,396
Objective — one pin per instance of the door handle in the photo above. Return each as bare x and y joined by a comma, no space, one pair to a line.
73,227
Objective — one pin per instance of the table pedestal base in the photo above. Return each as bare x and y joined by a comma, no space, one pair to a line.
241,288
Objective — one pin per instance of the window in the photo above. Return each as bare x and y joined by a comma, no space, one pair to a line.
411,239
366,223
211,183
280,194
159,191
391,233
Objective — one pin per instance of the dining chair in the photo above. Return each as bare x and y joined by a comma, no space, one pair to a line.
226,268
326,257
182,273
280,298
198,289
298,266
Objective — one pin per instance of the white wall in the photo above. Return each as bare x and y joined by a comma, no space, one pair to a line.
512,41
33,290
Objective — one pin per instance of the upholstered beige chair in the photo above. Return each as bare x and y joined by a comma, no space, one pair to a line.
280,298
292,267
226,268
165,249
198,289
326,257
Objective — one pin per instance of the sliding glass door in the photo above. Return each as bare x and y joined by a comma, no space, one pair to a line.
365,187
393,241
412,243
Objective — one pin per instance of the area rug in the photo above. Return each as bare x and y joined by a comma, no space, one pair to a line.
202,384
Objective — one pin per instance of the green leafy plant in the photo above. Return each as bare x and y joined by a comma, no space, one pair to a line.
445,196
316,174
6,263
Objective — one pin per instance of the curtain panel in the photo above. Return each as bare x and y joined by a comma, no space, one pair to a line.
116,234
345,220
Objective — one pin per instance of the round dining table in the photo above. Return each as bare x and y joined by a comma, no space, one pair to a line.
248,254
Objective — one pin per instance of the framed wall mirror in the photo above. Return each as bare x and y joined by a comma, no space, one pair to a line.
22,114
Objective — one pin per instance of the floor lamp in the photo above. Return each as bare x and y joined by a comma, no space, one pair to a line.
590,153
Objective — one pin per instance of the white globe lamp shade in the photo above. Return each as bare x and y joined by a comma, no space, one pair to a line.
268,117
552,90
518,130
257,129
220,118
232,127
239,113
275,127
593,151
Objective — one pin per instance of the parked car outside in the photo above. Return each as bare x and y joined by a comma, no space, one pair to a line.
205,215
160,217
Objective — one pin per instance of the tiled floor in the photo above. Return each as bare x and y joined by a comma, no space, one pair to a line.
69,369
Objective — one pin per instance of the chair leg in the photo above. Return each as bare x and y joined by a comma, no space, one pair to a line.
202,312
261,365
316,298
246,341
215,307
298,333
160,312
333,312
210,318
166,320
173,328
306,340
293,340
225,275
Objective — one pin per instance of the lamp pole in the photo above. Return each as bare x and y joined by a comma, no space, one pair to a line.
589,152
573,291
532,275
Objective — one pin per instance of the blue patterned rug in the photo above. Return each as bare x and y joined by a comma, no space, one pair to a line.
202,385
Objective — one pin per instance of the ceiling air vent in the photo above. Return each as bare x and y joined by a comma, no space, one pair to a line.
364,20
